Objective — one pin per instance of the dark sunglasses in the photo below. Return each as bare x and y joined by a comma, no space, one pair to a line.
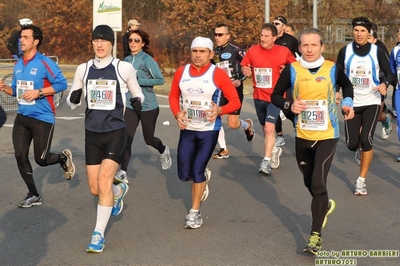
136,40
219,34
277,24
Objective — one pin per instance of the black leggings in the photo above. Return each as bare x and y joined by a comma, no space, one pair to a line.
314,159
148,120
25,129
365,119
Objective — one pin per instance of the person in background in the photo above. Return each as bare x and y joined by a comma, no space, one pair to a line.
133,24
228,57
3,116
292,44
384,118
289,29
148,75
104,81
264,62
395,67
36,79
362,62
13,43
195,103
312,83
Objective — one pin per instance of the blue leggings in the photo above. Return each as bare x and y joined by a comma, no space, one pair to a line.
194,151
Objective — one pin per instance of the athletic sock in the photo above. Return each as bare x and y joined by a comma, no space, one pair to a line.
103,215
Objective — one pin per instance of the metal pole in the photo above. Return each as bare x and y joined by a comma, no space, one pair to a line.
315,11
266,11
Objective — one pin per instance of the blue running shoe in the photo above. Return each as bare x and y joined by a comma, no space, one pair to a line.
119,201
96,244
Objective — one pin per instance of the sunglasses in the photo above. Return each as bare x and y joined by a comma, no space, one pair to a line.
277,24
136,40
219,34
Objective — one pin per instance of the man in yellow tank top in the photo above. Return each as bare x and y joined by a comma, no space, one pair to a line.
312,83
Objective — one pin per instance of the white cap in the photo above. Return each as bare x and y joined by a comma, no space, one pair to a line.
202,42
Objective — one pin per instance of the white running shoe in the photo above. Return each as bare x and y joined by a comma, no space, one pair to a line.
361,188
280,141
276,153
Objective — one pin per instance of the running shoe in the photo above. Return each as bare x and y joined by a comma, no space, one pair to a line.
265,167
30,200
388,125
250,134
121,177
331,208
393,113
207,174
222,154
96,244
193,220
282,116
280,141
165,159
314,244
119,201
361,188
398,159
67,164
276,153
357,156
384,135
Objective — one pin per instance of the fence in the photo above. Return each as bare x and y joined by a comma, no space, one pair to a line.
10,103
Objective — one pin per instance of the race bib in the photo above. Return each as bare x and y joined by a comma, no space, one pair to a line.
224,65
22,86
263,77
360,78
315,117
101,94
196,111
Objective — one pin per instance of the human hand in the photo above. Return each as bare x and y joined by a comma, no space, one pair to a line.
298,106
348,112
213,113
236,83
136,105
182,119
75,97
246,70
381,88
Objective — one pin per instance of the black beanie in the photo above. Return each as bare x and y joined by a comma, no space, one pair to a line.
103,32
362,21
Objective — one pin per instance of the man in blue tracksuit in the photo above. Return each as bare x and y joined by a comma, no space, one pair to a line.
395,67
36,79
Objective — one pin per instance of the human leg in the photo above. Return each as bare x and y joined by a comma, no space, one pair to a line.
223,152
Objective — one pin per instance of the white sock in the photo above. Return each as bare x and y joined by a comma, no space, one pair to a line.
103,215
244,124
192,210
267,159
361,178
116,190
221,138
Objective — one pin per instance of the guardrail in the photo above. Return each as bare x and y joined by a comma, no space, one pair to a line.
10,103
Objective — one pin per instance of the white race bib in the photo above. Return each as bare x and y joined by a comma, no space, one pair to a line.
22,86
263,77
315,117
101,94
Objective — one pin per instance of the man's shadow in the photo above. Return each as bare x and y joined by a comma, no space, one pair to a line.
25,233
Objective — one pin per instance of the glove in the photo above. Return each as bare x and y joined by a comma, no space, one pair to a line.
75,97
136,105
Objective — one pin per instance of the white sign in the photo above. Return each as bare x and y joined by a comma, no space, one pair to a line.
108,12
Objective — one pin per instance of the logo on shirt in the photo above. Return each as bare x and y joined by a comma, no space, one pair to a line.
33,71
319,79
226,55
195,90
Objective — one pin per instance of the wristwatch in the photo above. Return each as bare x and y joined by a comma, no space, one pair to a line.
286,105
41,94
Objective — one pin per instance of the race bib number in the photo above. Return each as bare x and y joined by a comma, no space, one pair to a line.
360,78
196,111
22,86
101,94
315,116
263,78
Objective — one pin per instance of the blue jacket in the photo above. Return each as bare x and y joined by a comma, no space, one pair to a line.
43,72
148,75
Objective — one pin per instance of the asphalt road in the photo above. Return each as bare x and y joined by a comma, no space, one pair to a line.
249,218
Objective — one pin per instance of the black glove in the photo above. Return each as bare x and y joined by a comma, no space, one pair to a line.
136,104
76,96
